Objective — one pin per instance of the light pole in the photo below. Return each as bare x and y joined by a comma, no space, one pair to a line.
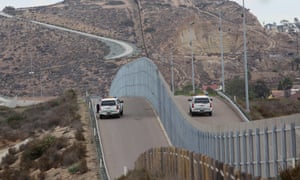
297,33
172,72
31,73
222,52
245,61
191,45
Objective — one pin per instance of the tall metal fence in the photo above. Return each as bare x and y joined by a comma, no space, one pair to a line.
259,148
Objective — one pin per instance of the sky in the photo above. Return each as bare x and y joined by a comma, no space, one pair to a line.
267,11
25,3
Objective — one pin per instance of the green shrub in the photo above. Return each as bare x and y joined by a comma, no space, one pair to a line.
128,23
36,148
80,167
15,120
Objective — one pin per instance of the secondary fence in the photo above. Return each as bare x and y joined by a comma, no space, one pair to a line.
175,163
260,148
103,172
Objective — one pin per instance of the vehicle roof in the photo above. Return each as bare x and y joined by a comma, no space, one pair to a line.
109,99
201,96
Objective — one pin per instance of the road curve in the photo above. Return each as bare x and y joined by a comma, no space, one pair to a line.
118,49
125,138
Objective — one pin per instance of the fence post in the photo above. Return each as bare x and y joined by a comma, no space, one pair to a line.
258,152
231,138
275,150
162,149
176,162
266,147
244,153
283,146
238,151
222,147
226,147
251,152
293,141
192,166
213,145
218,156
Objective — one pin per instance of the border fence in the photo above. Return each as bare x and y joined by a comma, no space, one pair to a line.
175,163
260,148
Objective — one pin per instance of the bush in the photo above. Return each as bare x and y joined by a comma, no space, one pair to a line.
79,135
36,148
150,30
115,3
128,22
73,154
9,159
11,173
80,167
291,173
15,120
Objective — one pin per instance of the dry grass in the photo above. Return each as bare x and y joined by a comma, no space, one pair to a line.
274,108
47,151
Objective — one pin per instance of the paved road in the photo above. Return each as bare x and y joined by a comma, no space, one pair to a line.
222,113
138,130
126,138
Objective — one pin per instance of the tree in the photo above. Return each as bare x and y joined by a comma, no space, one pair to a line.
236,87
284,22
260,89
9,10
285,84
297,62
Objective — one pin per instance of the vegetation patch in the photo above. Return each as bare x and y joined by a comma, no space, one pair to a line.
260,105
114,3
47,151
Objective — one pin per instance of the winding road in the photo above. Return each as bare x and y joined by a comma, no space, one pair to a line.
118,49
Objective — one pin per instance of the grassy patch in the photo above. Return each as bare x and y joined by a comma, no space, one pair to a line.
46,152
273,108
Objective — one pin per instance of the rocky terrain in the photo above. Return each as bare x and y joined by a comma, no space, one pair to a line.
159,27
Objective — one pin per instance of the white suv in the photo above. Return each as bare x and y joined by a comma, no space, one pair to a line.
110,107
200,104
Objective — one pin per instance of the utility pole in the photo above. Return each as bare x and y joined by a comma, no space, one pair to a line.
191,45
172,72
222,52
41,84
31,73
245,60
297,44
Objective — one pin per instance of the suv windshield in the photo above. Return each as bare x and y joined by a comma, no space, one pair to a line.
108,103
202,100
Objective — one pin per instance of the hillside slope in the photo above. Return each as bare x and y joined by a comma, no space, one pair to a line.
160,28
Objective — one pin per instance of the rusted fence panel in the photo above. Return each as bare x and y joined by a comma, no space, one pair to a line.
176,163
